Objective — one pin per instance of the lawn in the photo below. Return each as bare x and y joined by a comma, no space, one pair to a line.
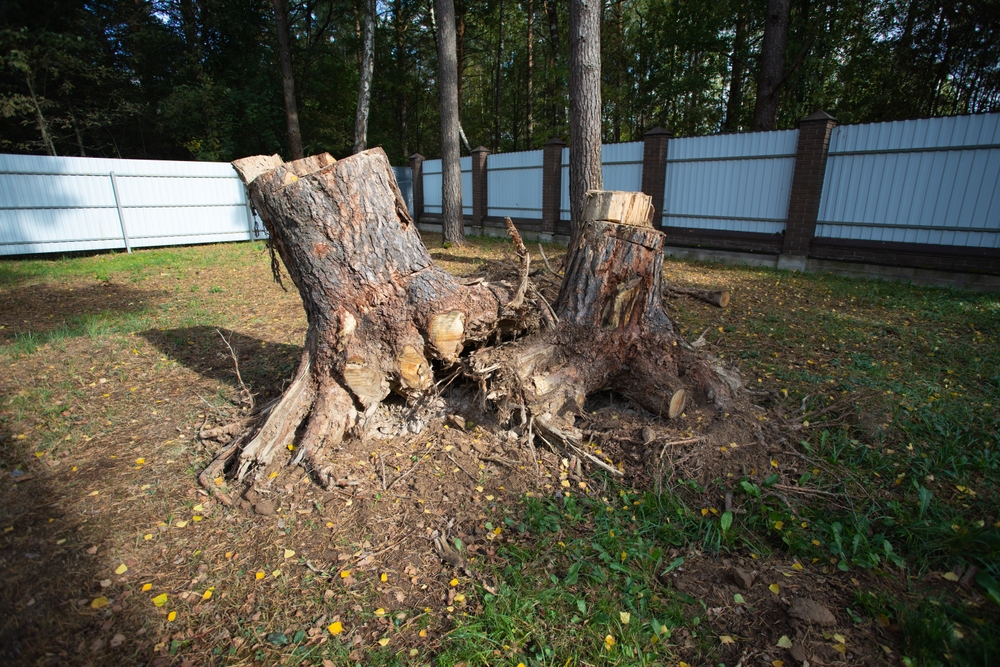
865,478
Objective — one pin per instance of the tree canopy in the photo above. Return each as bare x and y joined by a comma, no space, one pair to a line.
200,79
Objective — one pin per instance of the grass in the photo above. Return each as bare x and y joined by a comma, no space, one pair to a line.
898,485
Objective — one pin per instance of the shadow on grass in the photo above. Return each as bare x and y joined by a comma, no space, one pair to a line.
264,366
35,314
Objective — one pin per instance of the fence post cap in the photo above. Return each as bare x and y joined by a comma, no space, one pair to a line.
417,156
658,132
820,116
555,141
481,149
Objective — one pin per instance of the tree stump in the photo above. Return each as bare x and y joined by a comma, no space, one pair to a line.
382,315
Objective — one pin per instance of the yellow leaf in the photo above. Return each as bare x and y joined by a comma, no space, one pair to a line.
198,508
260,575
840,639
797,566
335,628
93,493
344,574
147,536
774,463
291,448
777,663
453,583
609,642
219,481
950,576
139,461
121,569
565,483
289,553
521,664
160,600
276,574
774,588
489,497
840,647
181,524
207,595
625,617
815,543
172,616
785,642
384,641
704,511
380,612
144,487
100,602
273,475
684,664
196,518
726,639
459,598
779,525
422,633
384,577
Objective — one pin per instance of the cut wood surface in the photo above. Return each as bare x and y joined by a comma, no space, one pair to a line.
719,298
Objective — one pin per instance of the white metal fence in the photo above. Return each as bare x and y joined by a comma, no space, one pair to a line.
432,186
66,204
730,182
514,185
621,169
931,181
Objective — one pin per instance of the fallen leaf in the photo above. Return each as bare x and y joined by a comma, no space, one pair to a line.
738,599
609,642
207,595
117,640
196,518
160,600
778,525
380,612
840,639
774,588
625,617
726,639
797,566
777,663
93,493
344,574
840,647
146,587
260,575
335,628
99,603
147,536
198,508
139,461
384,577
180,524
289,553
422,633
276,574
785,642
461,598
950,576
121,569
384,641
172,616
453,582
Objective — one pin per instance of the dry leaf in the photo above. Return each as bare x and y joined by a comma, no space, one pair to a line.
797,566
196,518
344,574
146,587
384,577
335,628
147,536
99,603
625,617
384,641
726,639
160,600
198,508
289,553
453,582
181,524
121,569
609,642
207,595
117,640
950,576
139,461
774,588
380,612
172,616
777,663
260,575
785,642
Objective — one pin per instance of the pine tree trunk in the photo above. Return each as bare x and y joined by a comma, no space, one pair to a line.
772,65
380,312
287,78
734,105
584,107
453,225
365,80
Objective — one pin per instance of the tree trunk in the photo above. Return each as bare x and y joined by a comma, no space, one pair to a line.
287,78
380,312
365,80
772,65
584,107
531,74
552,83
451,172
496,84
734,106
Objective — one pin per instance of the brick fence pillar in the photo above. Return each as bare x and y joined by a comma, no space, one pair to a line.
417,174
479,191
654,169
807,188
551,185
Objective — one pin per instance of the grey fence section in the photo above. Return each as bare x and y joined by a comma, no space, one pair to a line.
432,186
514,185
934,181
67,204
621,169
730,182
404,179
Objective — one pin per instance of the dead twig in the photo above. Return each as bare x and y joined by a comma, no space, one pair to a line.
408,472
800,489
467,473
546,260
239,378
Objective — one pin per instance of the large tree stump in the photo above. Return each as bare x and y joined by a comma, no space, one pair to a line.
382,315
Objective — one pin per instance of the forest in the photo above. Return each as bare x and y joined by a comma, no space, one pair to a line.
201,79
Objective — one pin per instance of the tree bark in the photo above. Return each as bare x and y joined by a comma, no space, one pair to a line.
772,65
451,172
287,78
365,80
531,74
584,107
734,105
553,78
380,312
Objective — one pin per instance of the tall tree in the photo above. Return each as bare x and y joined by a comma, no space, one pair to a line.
365,80
287,78
451,171
737,69
531,73
772,65
584,107
555,116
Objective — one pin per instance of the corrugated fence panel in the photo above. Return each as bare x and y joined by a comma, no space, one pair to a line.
621,169
67,204
432,186
730,182
514,185
933,181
